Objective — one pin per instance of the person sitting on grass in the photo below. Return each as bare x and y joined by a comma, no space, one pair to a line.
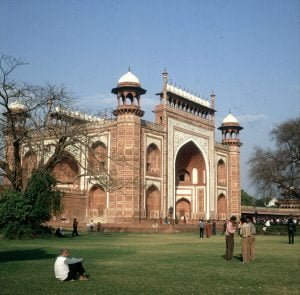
67,268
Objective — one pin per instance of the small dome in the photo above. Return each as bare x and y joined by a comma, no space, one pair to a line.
130,79
230,119
17,107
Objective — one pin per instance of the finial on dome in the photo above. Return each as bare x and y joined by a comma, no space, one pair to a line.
129,70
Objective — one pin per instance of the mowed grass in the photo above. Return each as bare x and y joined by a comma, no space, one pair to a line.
127,263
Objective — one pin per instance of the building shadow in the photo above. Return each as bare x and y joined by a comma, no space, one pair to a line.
19,255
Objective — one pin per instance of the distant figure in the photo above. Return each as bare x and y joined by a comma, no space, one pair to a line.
291,230
214,227
92,225
208,229
58,233
67,269
201,227
99,226
75,225
230,231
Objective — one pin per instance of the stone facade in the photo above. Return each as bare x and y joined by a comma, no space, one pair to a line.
173,167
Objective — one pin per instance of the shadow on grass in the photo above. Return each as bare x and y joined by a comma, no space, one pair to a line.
235,257
19,255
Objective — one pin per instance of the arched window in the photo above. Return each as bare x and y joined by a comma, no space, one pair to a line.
66,171
183,177
222,207
153,160
97,158
221,173
97,201
129,99
152,202
195,176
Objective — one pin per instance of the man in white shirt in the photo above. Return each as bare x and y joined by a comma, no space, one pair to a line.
67,269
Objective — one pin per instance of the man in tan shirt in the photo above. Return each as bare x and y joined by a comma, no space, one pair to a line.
245,233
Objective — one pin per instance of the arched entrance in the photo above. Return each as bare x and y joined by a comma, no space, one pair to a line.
97,201
152,203
190,182
183,208
222,207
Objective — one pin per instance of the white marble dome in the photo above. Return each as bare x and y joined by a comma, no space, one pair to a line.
230,119
17,106
129,78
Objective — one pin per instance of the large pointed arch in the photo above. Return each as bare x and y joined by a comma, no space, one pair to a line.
97,157
66,171
190,161
153,202
221,173
183,208
222,207
97,201
153,160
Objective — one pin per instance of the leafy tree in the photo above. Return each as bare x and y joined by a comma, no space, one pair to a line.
247,200
42,197
26,211
277,172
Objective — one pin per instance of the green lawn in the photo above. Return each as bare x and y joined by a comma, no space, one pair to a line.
122,263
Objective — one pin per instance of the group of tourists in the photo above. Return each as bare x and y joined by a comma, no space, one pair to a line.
210,228
246,230
68,269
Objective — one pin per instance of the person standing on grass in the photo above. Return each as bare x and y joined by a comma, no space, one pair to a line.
291,230
201,227
208,229
252,238
230,231
68,269
214,227
75,225
245,233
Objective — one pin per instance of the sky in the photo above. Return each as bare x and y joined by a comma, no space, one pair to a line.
246,51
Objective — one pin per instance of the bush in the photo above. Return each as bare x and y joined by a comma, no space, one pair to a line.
280,229
26,231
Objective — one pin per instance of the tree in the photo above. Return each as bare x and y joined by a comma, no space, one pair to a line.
247,200
277,172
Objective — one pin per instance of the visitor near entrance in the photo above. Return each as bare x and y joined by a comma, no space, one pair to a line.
252,238
75,225
291,230
230,231
67,268
201,227
208,229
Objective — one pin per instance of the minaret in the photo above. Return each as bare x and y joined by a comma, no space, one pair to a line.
230,131
212,103
126,146
230,137
165,81
129,93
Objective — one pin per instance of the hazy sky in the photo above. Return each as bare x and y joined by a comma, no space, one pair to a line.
247,52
